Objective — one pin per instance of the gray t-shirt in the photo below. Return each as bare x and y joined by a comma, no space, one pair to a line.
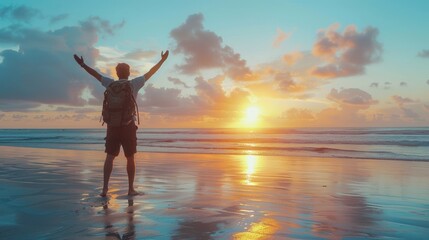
136,83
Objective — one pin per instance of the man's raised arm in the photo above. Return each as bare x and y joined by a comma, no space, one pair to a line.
88,69
155,68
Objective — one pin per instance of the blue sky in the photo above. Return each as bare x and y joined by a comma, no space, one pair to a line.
389,80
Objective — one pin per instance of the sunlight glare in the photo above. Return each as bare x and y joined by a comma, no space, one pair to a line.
251,117
250,165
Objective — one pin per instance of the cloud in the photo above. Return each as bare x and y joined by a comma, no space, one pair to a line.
427,81
374,85
10,106
210,100
43,70
203,49
423,53
287,83
177,81
100,25
139,54
409,113
19,13
277,79
400,101
299,115
292,58
403,84
351,97
280,38
347,53
58,18
387,85
161,97
18,116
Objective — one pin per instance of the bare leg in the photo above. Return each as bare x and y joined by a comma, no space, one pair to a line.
108,167
131,170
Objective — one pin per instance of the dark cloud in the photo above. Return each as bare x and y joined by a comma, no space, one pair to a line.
100,25
19,13
351,97
43,70
403,84
166,101
387,85
10,106
160,97
347,53
177,81
203,49
374,85
427,81
58,18
423,53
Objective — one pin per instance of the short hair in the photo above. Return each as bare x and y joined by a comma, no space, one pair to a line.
122,66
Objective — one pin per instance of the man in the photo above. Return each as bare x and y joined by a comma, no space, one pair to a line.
123,135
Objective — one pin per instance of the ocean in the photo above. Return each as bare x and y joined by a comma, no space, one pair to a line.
354,143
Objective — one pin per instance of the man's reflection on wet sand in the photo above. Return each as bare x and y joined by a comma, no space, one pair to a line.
111,231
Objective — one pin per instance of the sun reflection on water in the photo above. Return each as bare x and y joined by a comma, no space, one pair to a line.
264,229
250,164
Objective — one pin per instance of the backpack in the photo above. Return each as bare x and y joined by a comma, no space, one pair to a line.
119,105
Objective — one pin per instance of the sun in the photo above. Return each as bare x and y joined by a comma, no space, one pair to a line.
251,116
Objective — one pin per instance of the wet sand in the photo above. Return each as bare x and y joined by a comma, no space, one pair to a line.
53,194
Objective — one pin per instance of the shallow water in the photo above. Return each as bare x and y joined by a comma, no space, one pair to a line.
53,194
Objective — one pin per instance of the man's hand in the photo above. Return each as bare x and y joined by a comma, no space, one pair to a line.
155,68
91,71
164,56
80,60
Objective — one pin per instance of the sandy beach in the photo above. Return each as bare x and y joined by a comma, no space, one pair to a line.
53,194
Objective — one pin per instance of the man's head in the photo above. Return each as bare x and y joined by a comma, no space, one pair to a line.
123,70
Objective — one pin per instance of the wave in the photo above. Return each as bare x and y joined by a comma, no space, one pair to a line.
306,131
379,143
406,143
209,139
324,152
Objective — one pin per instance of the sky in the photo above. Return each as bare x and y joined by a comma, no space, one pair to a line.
251,64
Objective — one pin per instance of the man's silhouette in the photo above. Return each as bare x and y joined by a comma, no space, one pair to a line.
122,135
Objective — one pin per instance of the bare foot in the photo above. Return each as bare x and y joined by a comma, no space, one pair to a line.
133,193
103,193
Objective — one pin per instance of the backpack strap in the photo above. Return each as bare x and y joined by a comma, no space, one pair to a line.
137,107
104,106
